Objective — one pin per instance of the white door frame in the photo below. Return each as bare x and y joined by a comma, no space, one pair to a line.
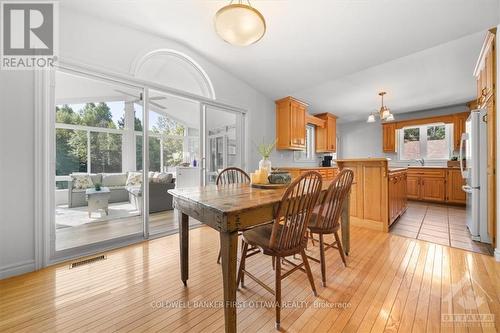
45,154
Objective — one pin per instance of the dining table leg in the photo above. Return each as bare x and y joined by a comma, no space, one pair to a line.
346,222
229,251
184,245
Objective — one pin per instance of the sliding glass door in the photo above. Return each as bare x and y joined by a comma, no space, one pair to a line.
97,126
224,130
174,154
118,149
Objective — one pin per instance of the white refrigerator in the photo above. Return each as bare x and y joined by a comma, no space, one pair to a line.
474,170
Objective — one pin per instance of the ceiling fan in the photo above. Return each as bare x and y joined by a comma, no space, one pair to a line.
139,99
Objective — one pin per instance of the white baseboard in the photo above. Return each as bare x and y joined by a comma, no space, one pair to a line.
497,254
17,269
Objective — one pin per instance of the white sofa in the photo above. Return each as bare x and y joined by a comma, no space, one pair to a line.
116,182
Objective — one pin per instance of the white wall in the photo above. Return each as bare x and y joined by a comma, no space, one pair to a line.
360,139
16,172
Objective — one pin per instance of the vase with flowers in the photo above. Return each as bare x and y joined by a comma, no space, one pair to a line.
265,150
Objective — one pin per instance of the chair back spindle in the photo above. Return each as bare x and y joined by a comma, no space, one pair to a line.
294,211
331,206
232,175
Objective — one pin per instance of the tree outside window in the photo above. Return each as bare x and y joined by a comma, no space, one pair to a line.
172,134
72,145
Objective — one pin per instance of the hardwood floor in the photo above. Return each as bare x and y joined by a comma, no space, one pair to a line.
440,224
392,283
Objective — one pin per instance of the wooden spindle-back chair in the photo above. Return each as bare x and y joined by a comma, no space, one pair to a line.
231,175
287,235
326,220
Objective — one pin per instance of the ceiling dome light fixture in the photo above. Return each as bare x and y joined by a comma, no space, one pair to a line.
384,113
240,24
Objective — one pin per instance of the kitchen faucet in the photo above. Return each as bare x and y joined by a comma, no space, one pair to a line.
421,161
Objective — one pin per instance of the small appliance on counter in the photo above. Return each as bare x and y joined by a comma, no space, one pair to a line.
327,161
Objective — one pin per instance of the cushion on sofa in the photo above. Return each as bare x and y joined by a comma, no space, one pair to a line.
114,179
81,181
164,178
154,177
134,179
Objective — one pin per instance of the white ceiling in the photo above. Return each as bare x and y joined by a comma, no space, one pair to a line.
72,89
435,77
336,54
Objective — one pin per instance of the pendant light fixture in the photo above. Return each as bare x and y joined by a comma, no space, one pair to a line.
384,113
240,24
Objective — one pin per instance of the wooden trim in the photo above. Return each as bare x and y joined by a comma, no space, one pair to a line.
447,119
488,42
290,98
325,114
472,105
310,119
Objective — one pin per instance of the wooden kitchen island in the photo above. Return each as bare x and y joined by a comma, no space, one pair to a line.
378,195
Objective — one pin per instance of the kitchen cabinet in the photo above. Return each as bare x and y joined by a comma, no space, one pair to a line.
485,71
413,187
326,137
454,192
459,120
397,194
290,124
328,173
433,189
427,184
369,206
389,137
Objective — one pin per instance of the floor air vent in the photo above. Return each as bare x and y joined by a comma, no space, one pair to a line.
87,261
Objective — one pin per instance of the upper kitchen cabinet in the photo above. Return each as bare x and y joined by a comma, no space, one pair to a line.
326,137
485,70
459,120
389,137
291,124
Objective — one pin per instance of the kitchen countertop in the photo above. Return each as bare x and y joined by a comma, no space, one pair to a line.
397,169
305,167
431,167
375,159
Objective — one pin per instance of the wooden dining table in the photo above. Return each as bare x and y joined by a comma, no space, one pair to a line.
230,209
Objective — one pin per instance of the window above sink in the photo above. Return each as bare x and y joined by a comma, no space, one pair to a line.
428,142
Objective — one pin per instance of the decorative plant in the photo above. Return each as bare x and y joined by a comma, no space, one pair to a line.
97,186
265,149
